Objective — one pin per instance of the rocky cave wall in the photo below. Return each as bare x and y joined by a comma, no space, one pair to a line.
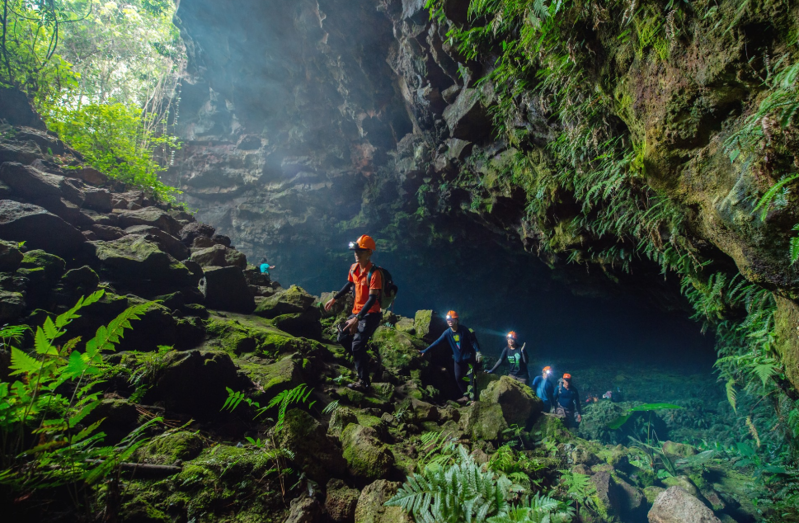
310,122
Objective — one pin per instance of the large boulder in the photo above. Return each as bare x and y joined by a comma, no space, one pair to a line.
219,256
275,378
340,501
304,324
166,241
483,421
304,509
152,216
290,301
519,403
429,325
675,505
226,289
10,256
136,261
195,230
42,272
367,457
12,305
314,453
371,504
38,228
399,352
195,383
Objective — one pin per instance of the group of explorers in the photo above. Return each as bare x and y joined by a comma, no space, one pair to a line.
373,289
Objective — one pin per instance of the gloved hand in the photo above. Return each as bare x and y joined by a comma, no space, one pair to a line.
479,357
489,372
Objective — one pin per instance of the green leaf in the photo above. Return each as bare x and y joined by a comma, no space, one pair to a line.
50,329
76,366
42,344
732,395
22,363
795,246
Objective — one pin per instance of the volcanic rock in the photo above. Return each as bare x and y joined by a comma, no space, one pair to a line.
675,505
226,289
39,229
519,403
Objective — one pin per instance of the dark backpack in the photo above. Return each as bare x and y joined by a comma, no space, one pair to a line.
389,291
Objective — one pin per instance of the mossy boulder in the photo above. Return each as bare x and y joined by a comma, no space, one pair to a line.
549,426
195,383
219,256
519,403
340,501
172,447
675,505
678,450
367,457
226,289
428,325
314,452
483,421
399,351
132,260
273,379
293,300
12,305
302,324
10,256
339,420
371,504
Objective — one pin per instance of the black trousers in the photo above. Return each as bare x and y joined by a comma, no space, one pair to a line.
356,343
462,372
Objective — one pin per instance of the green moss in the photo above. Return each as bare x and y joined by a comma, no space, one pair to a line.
366,456
170,447
399,351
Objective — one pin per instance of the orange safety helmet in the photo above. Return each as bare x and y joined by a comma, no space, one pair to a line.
363,243
567,376
452,315
512,335
547,369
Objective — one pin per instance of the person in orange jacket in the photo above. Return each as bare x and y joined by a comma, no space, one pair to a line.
366,312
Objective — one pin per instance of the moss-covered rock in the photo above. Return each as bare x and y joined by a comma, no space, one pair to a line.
371,508
303,324
339,420
195,383
399,351
519,403
314,453
549,426
273,379
428,325
340,501
367,457
483,421
293,300
10,256
172,447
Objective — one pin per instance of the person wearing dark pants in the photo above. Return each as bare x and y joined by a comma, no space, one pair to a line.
567,402
465,353
366,314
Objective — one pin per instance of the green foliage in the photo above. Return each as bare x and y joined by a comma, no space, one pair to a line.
103,76
578,487
646,407
465,492
115,139
45,439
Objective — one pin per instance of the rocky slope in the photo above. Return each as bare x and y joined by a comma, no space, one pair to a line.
218,327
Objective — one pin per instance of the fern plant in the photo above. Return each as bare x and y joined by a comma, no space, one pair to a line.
298,395
33,407
467,492
539,509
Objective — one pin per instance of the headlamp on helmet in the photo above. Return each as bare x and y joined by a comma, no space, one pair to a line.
452,315
512,335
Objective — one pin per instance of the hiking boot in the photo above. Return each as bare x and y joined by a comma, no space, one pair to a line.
359,386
